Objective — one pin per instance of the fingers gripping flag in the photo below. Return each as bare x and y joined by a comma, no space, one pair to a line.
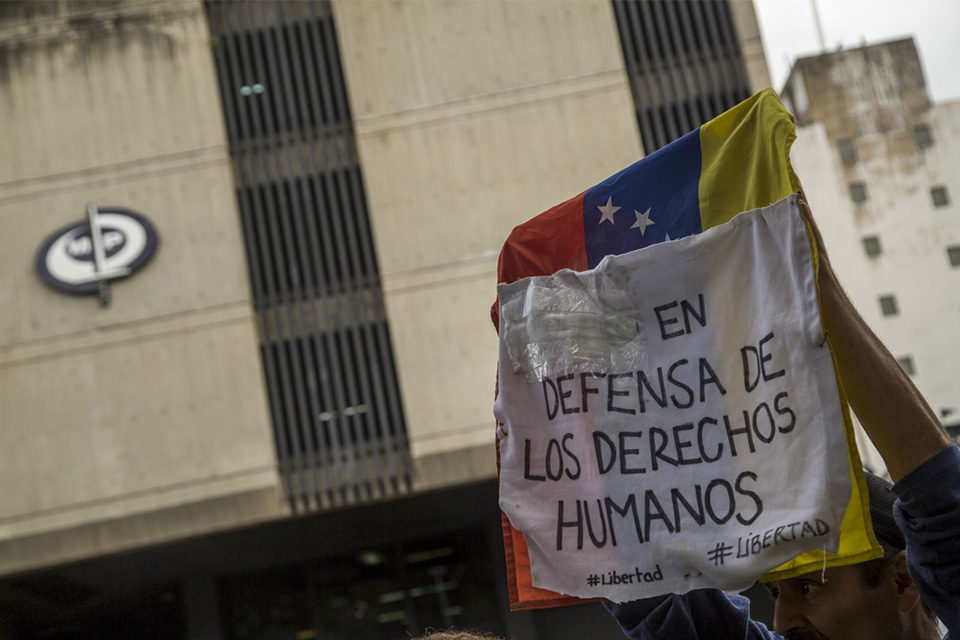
736,162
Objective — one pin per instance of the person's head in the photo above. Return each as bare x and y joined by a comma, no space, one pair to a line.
872,600
450,634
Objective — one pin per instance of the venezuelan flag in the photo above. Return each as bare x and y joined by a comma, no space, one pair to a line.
738,161
735,162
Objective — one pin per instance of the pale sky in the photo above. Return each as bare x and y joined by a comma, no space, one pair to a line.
789,32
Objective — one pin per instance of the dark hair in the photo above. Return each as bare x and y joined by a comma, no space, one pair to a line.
888,534
451,634
881,499
872,570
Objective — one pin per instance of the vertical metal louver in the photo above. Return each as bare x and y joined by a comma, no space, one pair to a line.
684,63
325,346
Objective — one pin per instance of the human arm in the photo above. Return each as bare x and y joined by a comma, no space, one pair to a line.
703,613
895,416
899,422
928,513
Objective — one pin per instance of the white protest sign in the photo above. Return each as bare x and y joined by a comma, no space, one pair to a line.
670,420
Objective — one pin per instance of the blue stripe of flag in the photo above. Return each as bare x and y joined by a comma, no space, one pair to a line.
654,199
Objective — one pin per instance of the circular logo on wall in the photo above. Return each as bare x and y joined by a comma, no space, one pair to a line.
67,259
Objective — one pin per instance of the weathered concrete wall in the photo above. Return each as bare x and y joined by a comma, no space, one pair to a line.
472,117
117,422
871,89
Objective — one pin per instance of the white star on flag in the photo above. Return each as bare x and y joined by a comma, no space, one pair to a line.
643,221
607,211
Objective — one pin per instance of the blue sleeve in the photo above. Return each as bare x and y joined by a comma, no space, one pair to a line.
704,613
928,513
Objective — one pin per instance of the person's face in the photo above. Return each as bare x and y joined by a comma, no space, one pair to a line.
835,605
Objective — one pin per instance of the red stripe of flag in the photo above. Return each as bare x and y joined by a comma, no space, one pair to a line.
553,240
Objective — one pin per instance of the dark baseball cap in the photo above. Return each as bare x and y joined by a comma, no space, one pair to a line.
881,512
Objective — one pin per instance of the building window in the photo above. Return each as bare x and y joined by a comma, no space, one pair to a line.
701,42
888,305
921,133
953,430
906,363
871,245
848,152
394,590
858,192
953,255
325,346
940,197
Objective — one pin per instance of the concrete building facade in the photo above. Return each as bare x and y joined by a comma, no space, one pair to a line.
101,426
281,425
